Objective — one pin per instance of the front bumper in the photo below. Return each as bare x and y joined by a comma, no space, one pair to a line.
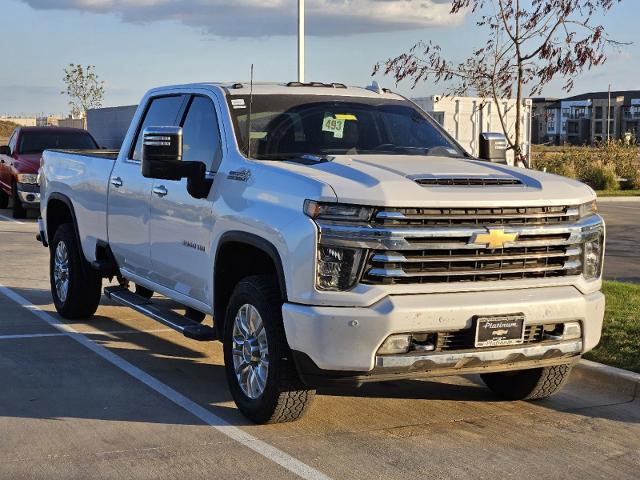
29,194
345,339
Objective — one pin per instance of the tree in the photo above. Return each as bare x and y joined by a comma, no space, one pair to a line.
529,44
84,88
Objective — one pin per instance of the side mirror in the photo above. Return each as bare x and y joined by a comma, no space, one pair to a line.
5,150
162,159
162,153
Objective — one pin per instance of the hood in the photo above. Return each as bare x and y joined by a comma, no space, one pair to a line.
402,181
28,162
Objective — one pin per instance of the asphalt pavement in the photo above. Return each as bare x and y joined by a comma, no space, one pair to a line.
120,396
622,254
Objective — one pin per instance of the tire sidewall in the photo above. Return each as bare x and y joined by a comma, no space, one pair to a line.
259,409
61,235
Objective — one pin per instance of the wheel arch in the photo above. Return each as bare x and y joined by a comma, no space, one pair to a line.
59,211
238,255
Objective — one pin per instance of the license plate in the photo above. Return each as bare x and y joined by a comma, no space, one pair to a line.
500,330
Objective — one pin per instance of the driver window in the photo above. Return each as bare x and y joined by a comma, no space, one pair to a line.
201,134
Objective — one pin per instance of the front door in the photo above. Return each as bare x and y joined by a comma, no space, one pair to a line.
130,192
181,226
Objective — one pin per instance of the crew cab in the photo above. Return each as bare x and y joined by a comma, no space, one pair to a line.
336,235
20,161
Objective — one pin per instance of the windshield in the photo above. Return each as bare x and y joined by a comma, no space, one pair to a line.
37,142
289,126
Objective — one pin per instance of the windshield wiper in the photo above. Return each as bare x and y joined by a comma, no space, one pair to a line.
304,158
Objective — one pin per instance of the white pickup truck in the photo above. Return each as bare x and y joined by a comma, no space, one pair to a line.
336,235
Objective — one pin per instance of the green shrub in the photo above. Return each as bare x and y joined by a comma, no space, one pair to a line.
601,176
567,169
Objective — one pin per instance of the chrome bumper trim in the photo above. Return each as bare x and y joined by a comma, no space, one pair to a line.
405,238
29,197
479,358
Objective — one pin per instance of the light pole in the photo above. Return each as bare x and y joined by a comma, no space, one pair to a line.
301,41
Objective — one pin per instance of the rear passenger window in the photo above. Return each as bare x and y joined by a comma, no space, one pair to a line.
162,112
201,135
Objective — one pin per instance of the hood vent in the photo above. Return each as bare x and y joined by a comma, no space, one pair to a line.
466,181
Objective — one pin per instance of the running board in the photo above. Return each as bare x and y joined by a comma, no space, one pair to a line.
180,323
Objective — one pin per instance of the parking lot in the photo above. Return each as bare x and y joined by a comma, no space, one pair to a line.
121,397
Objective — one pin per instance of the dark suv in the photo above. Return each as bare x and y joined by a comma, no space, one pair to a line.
20,161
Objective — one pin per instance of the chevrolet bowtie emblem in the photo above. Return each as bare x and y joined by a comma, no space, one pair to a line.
494,238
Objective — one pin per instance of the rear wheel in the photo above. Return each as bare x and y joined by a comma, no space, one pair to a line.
262,378
534,384
18,210
75,286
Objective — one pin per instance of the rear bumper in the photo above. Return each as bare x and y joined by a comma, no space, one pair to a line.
29,194
342,342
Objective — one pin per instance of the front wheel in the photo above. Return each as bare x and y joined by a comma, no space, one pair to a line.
534,384
75,287
262,378
4,199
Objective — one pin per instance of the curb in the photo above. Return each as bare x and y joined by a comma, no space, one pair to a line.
634,199
611,377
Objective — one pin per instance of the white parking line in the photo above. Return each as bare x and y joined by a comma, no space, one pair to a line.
268,451
107,333
12,220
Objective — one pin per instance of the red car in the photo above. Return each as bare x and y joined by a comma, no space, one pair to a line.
20,161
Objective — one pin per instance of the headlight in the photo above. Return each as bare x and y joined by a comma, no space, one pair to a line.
337,211
592,258
28,178
589,208
337,268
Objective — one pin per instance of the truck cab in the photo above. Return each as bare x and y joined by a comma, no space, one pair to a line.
336,235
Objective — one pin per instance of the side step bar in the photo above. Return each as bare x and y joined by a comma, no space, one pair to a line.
180,323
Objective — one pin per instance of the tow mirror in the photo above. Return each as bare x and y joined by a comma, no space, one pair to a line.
162,159
162,153
5,150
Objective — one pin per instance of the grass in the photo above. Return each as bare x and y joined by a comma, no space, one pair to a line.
618,193
620,344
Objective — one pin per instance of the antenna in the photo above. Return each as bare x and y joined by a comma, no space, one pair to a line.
249,115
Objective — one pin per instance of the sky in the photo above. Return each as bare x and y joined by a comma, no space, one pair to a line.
139,44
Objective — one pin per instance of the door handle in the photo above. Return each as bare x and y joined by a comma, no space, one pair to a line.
160,191
116,182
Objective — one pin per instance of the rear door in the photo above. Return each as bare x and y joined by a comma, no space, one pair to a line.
129,191
181,226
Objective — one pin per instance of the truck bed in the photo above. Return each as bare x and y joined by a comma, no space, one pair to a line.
82,178
102,153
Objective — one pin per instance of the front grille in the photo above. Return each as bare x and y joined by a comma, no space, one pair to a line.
465,339
465,265
421,217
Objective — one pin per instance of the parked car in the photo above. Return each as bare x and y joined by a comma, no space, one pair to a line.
20,161
336,235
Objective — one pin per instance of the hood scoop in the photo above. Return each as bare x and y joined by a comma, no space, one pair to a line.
466,180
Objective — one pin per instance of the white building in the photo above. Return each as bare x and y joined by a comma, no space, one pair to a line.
465,118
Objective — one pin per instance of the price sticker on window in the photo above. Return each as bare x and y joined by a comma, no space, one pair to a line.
333,125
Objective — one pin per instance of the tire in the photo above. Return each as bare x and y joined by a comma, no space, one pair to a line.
195,315
4,200
18,210
81,297
144,292
534,384
282,397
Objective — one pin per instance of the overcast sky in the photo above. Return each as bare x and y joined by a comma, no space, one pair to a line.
139,44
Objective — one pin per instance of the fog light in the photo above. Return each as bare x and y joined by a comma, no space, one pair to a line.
572,331
395,344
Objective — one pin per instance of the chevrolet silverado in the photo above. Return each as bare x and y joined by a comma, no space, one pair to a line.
336,235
